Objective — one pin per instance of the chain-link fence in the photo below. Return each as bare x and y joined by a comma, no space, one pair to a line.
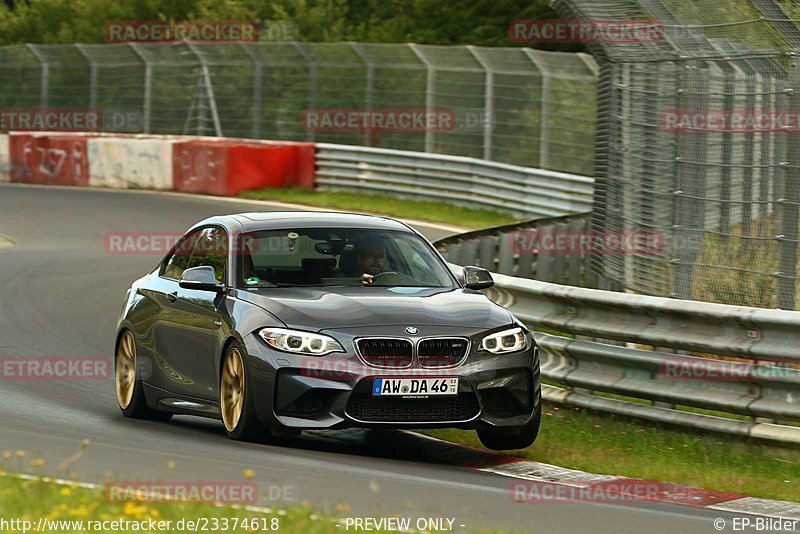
513,105
697,138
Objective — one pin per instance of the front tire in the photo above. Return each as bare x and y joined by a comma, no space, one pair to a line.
514,439
130,391
236,398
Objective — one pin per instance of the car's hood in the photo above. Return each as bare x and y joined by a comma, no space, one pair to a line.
344,307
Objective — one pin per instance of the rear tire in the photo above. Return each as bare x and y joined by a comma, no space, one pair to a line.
236,399
512,439
127,382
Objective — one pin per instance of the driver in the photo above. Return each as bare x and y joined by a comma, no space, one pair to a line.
371,256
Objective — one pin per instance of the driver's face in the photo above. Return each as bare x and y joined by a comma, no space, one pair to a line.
371,259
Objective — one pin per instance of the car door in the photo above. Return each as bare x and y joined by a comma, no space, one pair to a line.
188,335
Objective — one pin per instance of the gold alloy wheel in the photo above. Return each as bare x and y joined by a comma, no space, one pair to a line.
232,390
125,369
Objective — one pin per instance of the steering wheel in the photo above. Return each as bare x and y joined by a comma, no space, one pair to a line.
383,273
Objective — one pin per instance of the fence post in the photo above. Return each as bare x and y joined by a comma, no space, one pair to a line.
257,90
544,137
790,197
313,82
430,89
148,87
206,77
45,86
365,57
92,77
488,103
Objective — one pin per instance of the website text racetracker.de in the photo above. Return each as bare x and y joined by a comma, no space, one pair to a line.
54,120
200,524
734,120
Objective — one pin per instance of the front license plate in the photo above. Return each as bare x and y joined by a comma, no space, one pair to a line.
414,387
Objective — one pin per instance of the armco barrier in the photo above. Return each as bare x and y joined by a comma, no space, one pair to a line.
49,159
460,180
655,358
130,163
5,158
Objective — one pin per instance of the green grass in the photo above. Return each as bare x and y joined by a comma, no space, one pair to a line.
30,500
608,444
438,212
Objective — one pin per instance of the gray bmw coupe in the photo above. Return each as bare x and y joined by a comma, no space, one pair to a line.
277,323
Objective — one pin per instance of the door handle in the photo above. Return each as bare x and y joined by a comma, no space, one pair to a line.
172,297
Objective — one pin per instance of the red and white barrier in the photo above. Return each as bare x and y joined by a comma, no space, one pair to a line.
188,164
49,159
229,167
130,163
5,158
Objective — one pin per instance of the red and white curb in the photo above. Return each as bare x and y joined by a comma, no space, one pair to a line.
625,489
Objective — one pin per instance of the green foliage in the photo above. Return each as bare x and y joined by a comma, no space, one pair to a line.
478,22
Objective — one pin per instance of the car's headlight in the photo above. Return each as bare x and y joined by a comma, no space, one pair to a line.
512,340
300,342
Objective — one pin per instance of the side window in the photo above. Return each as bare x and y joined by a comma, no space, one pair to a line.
212,251
178,262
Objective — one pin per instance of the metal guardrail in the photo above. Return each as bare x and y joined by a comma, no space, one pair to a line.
460,180
699,365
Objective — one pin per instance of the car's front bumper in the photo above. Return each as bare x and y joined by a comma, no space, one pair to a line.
335,391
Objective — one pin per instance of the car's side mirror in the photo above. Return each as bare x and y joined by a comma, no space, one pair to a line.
201,279
477,278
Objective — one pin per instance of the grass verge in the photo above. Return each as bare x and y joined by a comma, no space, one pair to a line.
438,212
608,444
70,508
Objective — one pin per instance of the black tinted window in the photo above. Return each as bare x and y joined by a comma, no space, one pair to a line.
179,261
211,250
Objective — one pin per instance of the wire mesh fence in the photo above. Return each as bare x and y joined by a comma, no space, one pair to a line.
697,138
513,105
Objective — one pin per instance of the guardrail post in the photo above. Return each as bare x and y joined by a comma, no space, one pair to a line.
45,81
148,87
430,89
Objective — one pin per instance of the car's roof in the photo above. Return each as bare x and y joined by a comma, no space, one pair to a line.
274,220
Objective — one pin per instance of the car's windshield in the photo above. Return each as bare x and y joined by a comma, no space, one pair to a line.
336,257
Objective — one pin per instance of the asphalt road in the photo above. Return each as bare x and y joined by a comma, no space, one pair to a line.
60,294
